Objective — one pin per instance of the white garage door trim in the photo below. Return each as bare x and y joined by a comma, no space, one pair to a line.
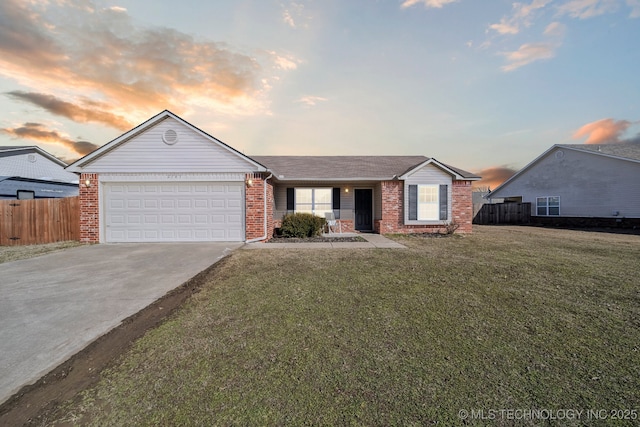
172,211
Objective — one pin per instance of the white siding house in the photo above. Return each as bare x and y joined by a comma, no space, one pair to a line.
168,181
589,181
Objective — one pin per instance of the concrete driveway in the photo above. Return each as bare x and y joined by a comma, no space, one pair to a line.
54,305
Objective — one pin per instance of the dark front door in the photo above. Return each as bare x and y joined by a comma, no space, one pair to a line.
364,210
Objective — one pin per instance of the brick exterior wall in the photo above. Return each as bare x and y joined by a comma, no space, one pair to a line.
254,207
89,209
392,220
462,206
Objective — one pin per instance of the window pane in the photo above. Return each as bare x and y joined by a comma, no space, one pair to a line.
304,195
542,210
541,201
323,195
428,208
303,209
554,201
428,211
316,201
427,193
554,210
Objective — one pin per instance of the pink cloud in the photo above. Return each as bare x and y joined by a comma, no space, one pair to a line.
39,132
605,131
493,176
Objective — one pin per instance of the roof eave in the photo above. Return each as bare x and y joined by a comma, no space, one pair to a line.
79,164
311,179
442,166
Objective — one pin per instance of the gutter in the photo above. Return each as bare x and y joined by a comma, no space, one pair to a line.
257,239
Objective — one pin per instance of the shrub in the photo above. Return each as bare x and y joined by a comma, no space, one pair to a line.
451,227
302,225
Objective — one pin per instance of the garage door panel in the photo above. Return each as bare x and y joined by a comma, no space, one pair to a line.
167,204
151,204
156,212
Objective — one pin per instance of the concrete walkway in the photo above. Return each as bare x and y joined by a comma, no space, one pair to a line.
372,241
54,305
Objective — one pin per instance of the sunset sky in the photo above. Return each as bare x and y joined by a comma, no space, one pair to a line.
483,85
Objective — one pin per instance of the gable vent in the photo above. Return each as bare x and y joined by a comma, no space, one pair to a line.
32,158
170,136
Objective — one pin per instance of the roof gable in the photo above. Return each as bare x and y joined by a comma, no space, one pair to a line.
456,173
622,150
630,151
34,163
166,143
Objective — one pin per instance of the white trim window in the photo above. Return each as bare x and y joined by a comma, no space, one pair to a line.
428,202
548,206
317,201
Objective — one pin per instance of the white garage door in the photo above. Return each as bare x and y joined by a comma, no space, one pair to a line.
173,211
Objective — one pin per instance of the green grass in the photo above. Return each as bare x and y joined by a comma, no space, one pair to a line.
508,318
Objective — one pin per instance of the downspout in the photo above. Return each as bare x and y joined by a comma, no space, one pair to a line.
257,239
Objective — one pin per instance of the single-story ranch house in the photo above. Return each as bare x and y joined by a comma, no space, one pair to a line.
166,180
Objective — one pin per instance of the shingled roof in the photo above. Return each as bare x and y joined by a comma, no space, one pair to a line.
627,150
323,168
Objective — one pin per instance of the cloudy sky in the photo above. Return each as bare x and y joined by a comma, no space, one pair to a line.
483,85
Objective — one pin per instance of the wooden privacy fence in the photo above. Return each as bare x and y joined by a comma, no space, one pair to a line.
28,222
503,213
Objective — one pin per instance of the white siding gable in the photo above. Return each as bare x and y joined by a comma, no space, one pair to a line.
192,152
429,174
589,185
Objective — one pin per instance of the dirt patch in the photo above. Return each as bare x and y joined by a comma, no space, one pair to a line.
15,253
33,403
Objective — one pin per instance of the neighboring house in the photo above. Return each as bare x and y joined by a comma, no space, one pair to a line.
28,172
581,181
167,180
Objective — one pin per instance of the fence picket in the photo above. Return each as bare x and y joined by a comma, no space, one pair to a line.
29,222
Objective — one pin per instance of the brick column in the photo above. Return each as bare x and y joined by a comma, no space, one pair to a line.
392,211
462,206
89,209
254,207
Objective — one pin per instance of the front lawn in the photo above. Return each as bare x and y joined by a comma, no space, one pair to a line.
506,319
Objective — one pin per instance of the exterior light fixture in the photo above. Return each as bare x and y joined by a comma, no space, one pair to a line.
249,182
346,190
87,183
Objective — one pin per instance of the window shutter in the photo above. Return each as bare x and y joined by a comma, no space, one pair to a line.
413,202
291,202
444,203
336,198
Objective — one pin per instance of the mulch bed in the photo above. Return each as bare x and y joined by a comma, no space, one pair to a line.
319,239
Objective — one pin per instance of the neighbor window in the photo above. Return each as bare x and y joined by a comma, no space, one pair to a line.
313,200
548,206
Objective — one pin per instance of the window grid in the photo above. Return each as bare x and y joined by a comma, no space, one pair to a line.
428,202
548,206
315,201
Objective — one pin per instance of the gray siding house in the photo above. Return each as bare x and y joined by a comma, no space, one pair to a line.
29,172
582,181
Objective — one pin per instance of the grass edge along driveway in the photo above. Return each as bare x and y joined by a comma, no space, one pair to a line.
506,319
